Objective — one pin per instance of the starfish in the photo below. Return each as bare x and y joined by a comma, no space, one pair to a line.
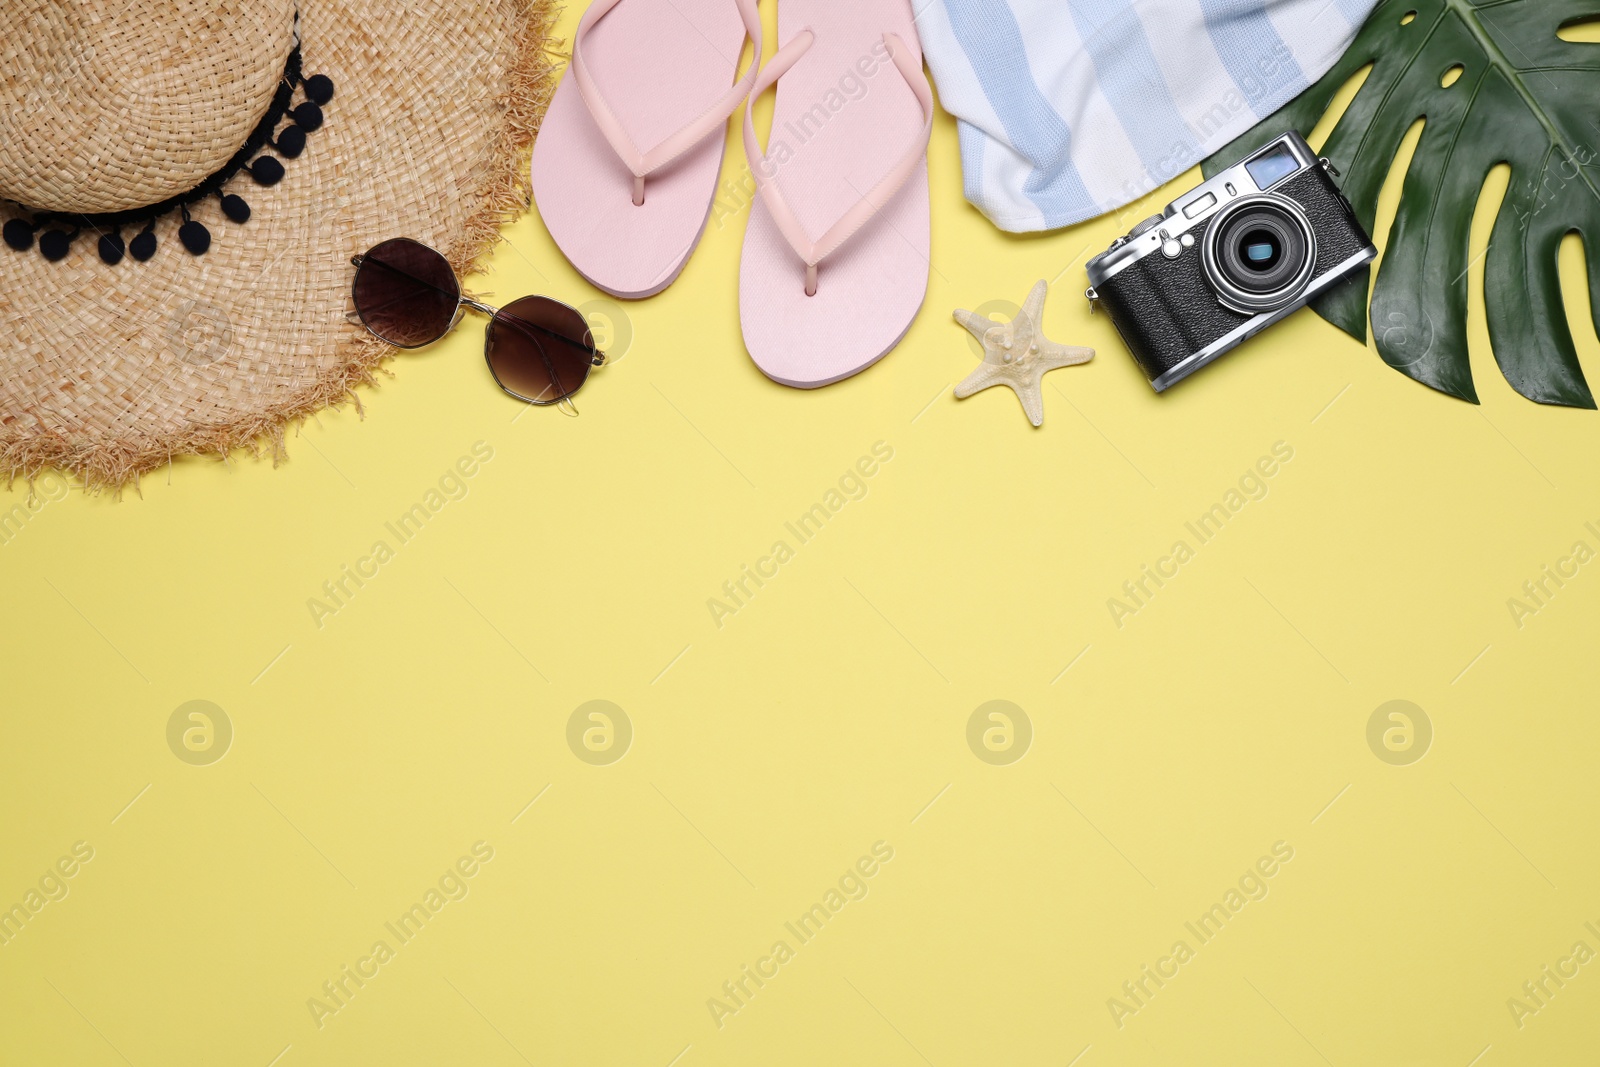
1017,354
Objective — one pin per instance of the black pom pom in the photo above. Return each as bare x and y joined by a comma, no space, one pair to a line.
319,89
55,244
266,171
291,142
112,248
19,234
143,246
195,237
308,117
235,208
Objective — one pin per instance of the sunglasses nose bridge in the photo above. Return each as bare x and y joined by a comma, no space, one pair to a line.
479,305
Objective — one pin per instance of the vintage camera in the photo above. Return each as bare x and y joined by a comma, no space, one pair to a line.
1229,259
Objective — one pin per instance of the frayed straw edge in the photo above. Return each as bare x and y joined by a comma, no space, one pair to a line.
503,195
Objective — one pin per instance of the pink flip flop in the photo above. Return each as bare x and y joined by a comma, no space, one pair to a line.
652,72
846,159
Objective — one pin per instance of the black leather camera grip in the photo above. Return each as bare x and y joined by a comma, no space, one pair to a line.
1165,309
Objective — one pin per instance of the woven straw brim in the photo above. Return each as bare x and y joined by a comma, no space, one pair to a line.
109,372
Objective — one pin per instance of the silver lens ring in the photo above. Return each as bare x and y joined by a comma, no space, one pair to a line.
1250,301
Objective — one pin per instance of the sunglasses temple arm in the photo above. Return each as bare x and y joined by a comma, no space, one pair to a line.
600,357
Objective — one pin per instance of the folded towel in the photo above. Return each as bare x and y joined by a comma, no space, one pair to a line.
1072,108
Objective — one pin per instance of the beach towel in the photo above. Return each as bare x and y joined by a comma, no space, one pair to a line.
1069,109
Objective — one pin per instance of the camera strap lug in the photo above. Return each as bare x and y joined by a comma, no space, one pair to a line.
1327,165
1094,298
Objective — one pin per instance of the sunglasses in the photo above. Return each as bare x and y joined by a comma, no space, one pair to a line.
539,350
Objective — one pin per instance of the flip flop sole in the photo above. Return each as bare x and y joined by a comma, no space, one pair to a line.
842,117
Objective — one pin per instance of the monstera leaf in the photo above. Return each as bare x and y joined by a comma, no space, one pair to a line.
1494,84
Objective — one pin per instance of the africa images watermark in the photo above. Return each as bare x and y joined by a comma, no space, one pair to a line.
1537,592
341,989
49,488
1548,189
1399,732
851,486
737,194
738,991
1253,485
999,732
1252,88
52,886
1138,992
453,485
1539,991
599,732
199,733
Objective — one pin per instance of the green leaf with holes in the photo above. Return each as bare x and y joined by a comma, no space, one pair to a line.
1522,96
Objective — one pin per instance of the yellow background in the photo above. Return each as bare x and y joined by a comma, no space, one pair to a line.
829,713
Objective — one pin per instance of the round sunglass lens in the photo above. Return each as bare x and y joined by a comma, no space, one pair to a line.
540,350
406,293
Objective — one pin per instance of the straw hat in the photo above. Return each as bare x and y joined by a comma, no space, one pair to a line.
183,183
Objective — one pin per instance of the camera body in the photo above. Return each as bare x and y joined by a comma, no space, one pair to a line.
1228,259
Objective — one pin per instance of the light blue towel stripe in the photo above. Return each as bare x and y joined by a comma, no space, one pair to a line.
1242,34
1130,79
972,141
989,34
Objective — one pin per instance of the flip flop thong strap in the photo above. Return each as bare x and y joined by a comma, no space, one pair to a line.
876,199
692,133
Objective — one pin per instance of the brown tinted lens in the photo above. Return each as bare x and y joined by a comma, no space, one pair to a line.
406,293
540,350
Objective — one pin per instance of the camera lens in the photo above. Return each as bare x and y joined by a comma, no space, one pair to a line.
1259,254
1260,250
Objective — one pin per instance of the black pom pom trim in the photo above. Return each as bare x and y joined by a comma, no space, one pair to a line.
266,171
235,208
195,237
319,89
54,245
19,235
291,142
112,248
308,117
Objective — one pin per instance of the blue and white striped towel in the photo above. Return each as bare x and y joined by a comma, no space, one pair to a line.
1072,108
